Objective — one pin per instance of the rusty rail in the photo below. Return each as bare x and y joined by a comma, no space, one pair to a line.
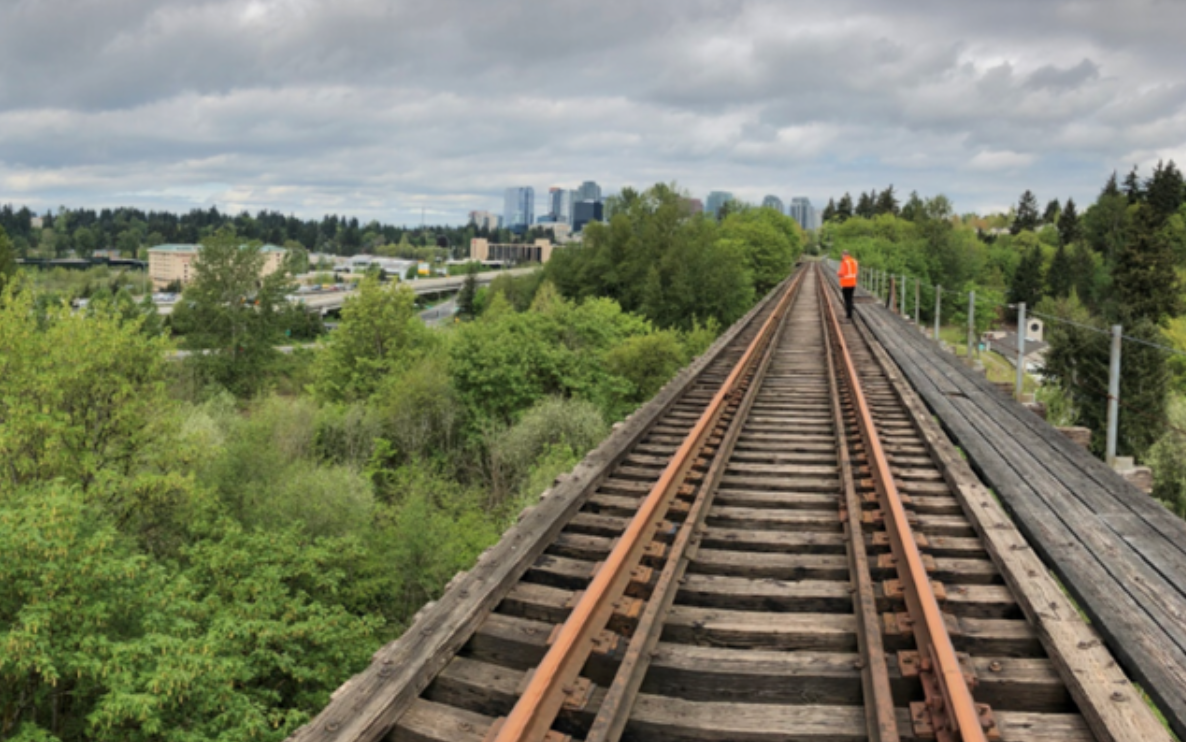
880,714
532,717
953,714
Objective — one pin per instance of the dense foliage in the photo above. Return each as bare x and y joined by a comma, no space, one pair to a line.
129,231
1120,261
204,547
676,269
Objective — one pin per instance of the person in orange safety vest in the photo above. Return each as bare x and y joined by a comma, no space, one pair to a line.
848,280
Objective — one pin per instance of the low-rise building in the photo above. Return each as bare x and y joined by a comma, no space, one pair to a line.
482,249
1004,343
169,263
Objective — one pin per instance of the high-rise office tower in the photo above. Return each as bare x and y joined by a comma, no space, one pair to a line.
584,212
560,204
589,191
774,202
803,212
519,208
715,201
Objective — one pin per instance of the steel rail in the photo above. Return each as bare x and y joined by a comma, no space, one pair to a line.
534,713
930,631
614,712
880,715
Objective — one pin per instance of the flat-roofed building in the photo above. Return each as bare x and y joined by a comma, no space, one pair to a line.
169,263
482,249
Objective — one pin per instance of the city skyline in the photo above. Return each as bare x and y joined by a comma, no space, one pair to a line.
391,110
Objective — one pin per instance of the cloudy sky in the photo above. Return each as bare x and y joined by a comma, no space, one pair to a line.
385,108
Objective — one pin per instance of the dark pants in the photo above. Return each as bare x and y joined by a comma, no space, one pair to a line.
848,291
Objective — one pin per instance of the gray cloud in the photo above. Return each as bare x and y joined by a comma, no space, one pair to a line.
382,107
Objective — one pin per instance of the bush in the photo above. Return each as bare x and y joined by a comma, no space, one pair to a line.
268,476
420,411
647,362
554,423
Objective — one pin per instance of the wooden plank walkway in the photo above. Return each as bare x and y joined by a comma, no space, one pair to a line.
1120,554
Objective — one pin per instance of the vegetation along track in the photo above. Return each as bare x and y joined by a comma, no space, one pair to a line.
703,582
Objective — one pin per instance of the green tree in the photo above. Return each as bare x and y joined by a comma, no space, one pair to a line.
1029,281
769,241
1068,224
865,206
1060,278
887,202
128,243
8,264
102,642
1166,191
1105,226
844,210
1087,274
647,362
829,212
914,209
1145,284
78,395
297,260
85,242
379,334
1134,189
230,312
1111,187
468,293
1052,212
1027,214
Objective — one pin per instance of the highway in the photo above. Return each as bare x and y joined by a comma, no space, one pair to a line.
332,301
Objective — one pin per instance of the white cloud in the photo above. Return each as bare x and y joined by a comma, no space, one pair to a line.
1001,160
383,107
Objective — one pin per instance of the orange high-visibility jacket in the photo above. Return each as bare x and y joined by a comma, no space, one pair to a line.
848,272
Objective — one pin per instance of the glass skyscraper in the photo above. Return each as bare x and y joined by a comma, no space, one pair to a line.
803,212
589,191
774,202
518,211
715,201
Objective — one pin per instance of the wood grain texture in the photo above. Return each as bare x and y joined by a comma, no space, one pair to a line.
1110,705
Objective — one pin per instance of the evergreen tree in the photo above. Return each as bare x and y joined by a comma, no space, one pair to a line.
1068,224
1144,281
469,292
887,202
1028,280
915,209
829,211
8,264
1084,272
844,208
865,206
1165,191
1111,188
1052,212
1027,214
1105,226
1132,186
1078,360
1060,279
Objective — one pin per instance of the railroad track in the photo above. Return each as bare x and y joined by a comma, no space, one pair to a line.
786,549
